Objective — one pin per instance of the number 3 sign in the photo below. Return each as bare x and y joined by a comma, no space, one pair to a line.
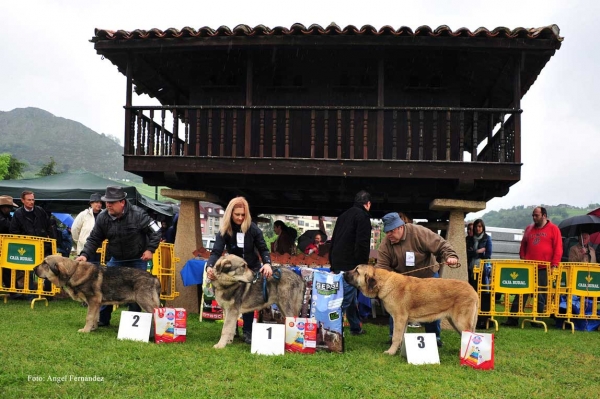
420,348
135,326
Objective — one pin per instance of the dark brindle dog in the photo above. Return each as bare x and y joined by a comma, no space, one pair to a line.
96,285
237,290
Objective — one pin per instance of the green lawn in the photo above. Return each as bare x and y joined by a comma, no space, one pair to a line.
43,344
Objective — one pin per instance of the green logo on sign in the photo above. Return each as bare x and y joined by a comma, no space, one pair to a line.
589,281
22,254
512,277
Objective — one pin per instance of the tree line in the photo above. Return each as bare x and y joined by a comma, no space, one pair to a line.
12,168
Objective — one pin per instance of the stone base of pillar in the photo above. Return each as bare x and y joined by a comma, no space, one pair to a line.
187,239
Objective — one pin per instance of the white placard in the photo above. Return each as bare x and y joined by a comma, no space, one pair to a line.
268,339
420,348
135,326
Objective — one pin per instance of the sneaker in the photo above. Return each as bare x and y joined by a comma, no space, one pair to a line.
359,332
389,341
414,325
248,338
103,324
439,343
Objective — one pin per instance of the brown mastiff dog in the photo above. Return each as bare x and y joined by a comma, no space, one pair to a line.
96,285
239,290
411,299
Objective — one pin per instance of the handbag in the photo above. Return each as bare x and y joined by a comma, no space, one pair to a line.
477,350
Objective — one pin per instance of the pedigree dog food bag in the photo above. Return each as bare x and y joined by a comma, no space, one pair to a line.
170,325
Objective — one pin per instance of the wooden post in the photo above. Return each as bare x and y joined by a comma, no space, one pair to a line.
380,103
517,104
248,125
128,98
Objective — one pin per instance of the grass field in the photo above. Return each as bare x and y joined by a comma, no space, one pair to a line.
43,355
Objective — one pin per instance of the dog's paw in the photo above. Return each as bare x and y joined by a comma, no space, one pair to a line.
219,345
84,330
390,352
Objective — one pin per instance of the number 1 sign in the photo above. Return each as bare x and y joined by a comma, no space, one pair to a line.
268,339
135,326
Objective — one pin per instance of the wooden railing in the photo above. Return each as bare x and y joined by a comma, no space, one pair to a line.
344,133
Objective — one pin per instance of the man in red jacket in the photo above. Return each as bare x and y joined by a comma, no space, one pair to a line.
541,241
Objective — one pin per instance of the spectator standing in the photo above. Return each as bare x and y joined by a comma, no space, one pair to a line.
314,246
132,238
286,236
84,223
6,206
482,249
410,248
582,251
240,236
32,220
542,241
350,246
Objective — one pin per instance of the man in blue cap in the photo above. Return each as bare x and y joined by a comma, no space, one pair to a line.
411,249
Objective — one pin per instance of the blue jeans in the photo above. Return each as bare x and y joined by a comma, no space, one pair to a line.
349,306
432,327
106,310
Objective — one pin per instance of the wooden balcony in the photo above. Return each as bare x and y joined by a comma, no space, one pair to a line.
328,152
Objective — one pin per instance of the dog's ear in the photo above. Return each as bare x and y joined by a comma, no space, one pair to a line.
371,283
53,266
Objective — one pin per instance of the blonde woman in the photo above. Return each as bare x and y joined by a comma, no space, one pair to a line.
239,236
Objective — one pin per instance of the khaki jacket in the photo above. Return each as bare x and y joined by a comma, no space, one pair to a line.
428,247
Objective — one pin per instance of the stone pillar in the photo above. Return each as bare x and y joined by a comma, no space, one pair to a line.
188,239
455,234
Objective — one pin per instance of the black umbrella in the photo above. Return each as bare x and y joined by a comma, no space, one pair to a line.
579,224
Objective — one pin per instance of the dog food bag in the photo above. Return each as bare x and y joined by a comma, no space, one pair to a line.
170,325
326,308
300,335
477,350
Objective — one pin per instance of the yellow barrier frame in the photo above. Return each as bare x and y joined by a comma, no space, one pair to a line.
163,267
583,280
519,277
23,253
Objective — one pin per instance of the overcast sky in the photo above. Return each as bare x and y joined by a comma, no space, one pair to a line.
48,62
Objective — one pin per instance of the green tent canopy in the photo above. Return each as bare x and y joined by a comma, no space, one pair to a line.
70,192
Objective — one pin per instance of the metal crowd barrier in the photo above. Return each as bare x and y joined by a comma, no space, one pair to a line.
513,277
578,288
163,267
20,254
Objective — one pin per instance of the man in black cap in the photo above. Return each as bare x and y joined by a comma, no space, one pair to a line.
350,248
84,223
132,238
411,249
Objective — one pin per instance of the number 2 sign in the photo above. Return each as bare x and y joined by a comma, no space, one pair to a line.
135,326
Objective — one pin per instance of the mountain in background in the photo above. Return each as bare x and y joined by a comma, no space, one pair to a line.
34,135
519,217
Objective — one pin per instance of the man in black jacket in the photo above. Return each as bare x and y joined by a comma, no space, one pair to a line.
32,220
132,238
350,246
6,206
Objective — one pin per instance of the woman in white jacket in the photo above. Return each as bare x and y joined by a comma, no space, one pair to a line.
84,223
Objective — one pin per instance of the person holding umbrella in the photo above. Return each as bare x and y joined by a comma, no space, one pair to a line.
582,251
